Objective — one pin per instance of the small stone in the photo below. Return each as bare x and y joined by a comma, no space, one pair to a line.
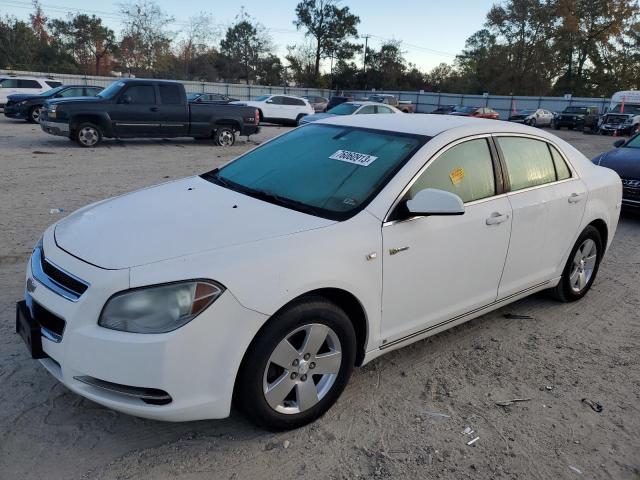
286,444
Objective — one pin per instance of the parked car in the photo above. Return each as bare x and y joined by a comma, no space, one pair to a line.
351,108
625,161
534,117
623,115
478,112
267,280
319,104
210,98
284,109
573,117
403,106
27,107
338,99
444,109
27,85
145,108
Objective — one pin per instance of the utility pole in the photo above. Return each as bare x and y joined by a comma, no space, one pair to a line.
364,67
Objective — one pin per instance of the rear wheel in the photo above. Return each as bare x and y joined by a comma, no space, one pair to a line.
582,266
299,119
224,137
34,114
88,135
297,366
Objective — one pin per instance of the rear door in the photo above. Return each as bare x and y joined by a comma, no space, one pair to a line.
31,87
136,112
173,113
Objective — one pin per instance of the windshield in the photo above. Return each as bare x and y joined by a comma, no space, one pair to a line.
343,109
634,142
112,90
52,92
465,109
575,110
630,109
261,98
324,170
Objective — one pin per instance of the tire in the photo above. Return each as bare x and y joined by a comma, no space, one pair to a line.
289,381
34,114
224,137
556,126
577,277
87,135
532,122
260,116
299,119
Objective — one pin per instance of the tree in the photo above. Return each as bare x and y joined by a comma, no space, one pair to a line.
86,39
145,37
247,43
39,21
330,27
197,40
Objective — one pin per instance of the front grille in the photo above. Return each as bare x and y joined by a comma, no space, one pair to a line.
9,103
62,278
48,320
631,189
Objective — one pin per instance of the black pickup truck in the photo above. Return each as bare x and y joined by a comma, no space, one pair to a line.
145,108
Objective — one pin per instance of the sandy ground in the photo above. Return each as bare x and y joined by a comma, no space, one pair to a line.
402,416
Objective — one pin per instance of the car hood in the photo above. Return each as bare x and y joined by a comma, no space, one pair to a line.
172,220
624,161
19,97
317,116
60,101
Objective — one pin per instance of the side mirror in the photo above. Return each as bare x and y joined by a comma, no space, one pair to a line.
269,101
431,201
619,143
125,99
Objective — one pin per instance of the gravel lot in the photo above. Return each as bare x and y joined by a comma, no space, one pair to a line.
402,416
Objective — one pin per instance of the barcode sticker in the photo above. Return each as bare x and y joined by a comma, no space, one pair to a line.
353,157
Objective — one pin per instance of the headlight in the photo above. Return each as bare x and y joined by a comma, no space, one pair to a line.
158,309
24,102
52,111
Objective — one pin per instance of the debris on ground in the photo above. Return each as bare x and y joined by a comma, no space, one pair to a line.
435,414
56,210
471,442
286,444
575,469
516,316
506,403
41,152
468,431
595,406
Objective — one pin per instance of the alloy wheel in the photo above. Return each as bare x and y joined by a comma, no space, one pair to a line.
584,263
302,368
88,136
226,138
35,115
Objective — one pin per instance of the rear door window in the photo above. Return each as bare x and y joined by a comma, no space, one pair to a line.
528,161
562,170
29,84
92,92
8,83
170,94
52,83
367,109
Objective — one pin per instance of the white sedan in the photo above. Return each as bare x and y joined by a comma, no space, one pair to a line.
351,108
284,109
267,280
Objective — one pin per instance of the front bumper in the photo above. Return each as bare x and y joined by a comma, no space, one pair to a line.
195,365
55,128
616,128
13,111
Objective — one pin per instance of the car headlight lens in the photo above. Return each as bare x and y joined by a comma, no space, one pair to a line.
24,102
158,309
52,111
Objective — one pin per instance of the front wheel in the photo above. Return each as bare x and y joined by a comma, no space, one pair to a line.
87,135
297,366
224,137
34,114
299,119
582,266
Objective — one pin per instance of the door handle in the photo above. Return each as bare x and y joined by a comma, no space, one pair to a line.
154,109
575,197
497,218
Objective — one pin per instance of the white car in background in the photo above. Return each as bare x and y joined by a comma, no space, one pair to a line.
285,109
267,280
26,85
351,108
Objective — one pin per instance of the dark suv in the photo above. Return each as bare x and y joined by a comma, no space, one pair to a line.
28,107
577,118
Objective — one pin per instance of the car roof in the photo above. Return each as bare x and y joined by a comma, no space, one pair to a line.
429,125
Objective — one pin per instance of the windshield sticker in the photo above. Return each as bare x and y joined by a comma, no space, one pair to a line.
457,176
361,159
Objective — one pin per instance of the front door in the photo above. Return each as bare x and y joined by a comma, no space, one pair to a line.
439,267
136,112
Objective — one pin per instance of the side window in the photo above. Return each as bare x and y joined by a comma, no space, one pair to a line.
466,170
28,84
170,94
528,162
293,101
277,100
142,94
52,84
92,92
367,109
383,109
72,92
8,83
562,169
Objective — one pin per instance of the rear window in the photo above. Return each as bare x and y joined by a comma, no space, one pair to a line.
575,110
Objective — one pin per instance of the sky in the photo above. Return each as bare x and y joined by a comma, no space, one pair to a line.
431,31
